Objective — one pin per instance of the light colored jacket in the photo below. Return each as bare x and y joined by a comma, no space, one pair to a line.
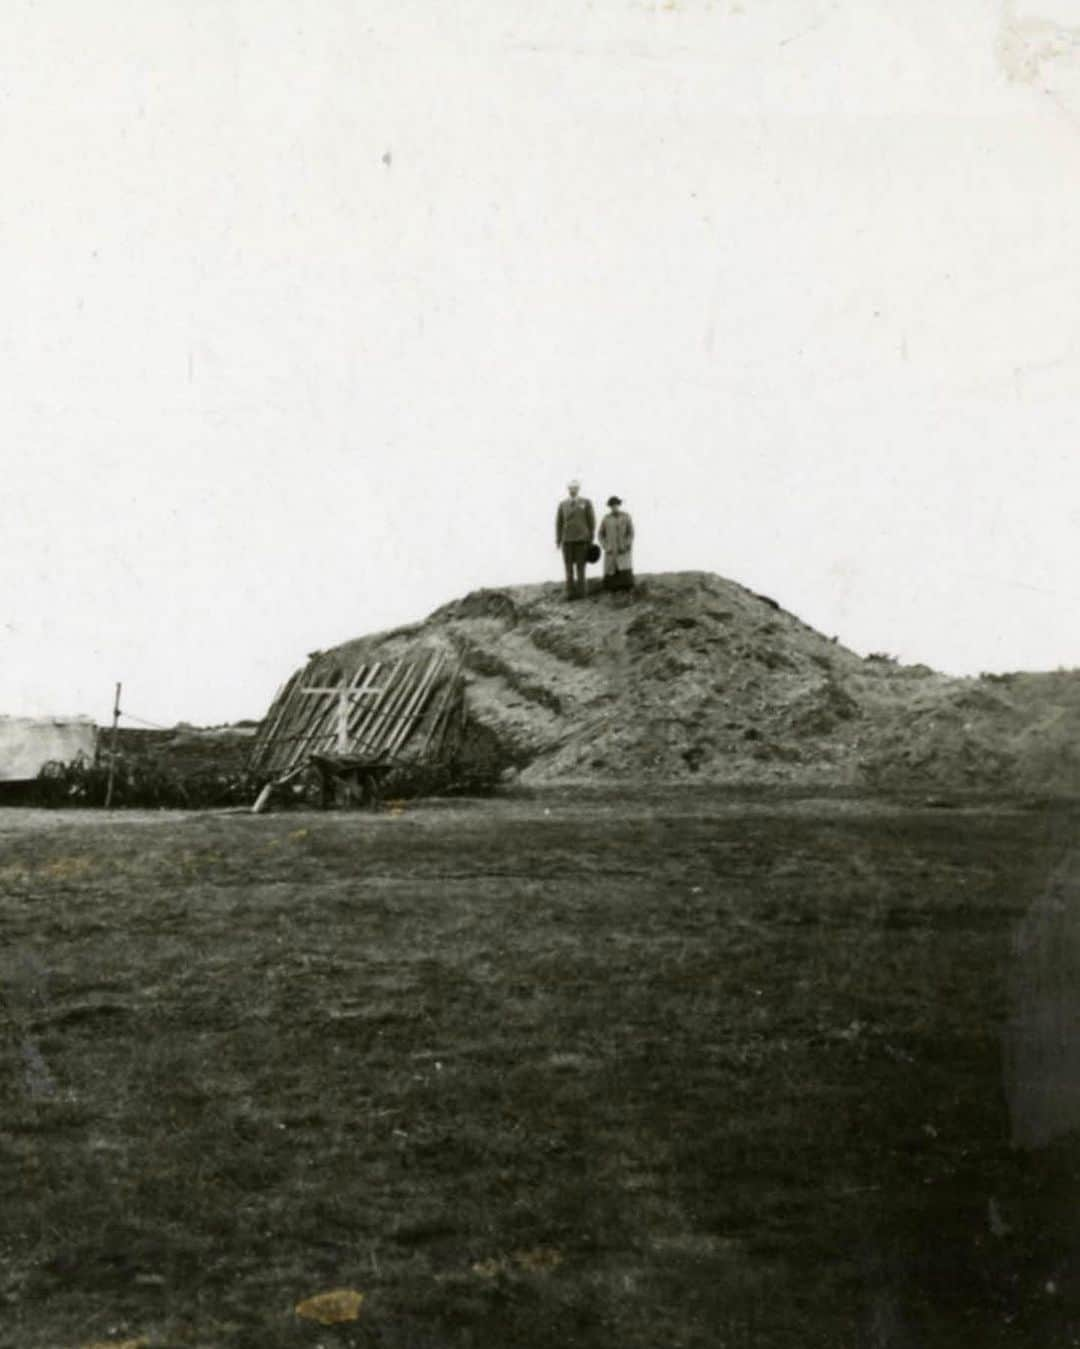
617,541
575,521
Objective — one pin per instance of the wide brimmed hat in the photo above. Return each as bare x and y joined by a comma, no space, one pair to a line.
592,553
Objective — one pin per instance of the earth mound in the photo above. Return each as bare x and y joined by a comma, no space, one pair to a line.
696,678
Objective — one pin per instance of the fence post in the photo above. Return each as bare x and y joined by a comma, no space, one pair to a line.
112,749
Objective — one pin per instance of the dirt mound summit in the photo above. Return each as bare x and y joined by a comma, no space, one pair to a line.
697,678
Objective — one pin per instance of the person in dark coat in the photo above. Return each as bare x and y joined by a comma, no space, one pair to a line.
575,529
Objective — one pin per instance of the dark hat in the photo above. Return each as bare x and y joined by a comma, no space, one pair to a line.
592,553
614,501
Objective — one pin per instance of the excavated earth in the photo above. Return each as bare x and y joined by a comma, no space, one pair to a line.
696,678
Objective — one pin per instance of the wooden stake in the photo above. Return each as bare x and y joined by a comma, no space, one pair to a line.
112,749
262,801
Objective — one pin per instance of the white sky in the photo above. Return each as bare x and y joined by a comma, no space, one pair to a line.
311,307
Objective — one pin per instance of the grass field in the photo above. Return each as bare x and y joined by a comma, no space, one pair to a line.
673,1070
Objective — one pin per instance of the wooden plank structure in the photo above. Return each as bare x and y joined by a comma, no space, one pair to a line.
358,724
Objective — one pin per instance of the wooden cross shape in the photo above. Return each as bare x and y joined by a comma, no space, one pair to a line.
344,695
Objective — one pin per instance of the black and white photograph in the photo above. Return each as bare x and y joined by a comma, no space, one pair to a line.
540,674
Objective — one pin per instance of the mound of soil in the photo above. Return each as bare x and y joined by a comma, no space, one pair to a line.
696,678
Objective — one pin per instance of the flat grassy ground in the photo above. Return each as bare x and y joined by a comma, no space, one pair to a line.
674,1070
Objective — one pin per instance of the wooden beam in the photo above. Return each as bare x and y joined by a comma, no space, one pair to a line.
366,715
423,688
359,712
309,731
345,692
295,719
388,730
374,735
267,733
441,711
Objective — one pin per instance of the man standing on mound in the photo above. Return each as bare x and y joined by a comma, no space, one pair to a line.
575,528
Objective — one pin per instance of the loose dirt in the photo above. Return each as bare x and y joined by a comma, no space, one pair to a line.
696,678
